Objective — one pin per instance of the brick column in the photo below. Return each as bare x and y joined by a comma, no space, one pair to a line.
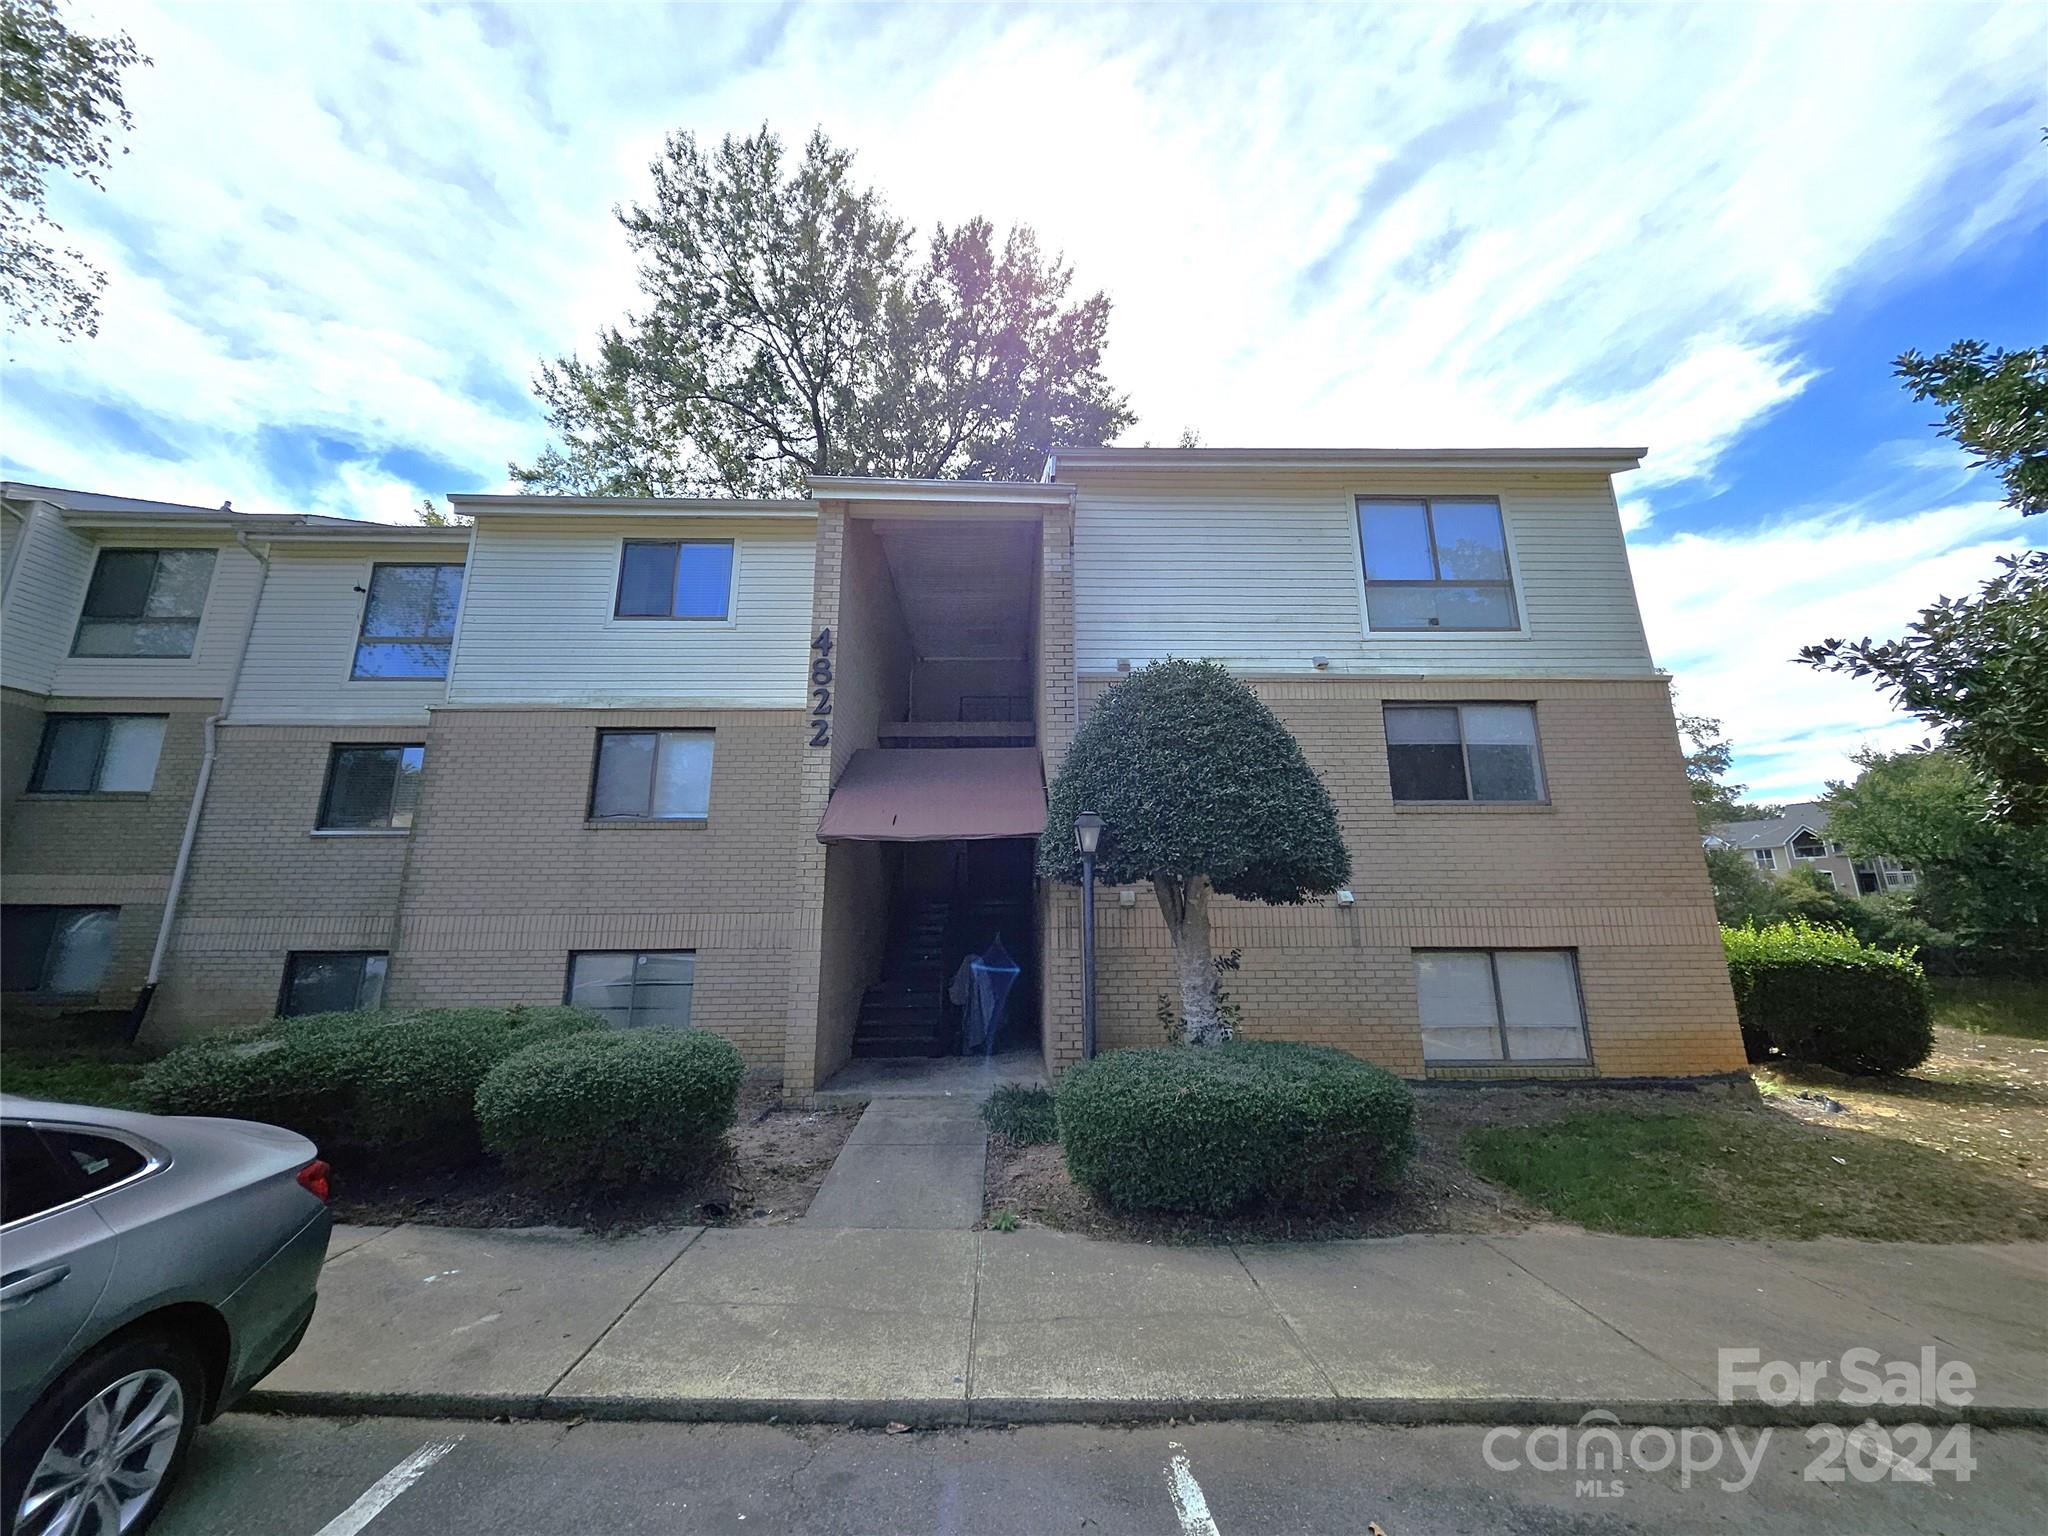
814,787
1059,906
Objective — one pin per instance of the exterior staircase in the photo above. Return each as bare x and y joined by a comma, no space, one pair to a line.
904,1013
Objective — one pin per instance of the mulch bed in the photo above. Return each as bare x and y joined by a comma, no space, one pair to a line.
1439,1194
773,1161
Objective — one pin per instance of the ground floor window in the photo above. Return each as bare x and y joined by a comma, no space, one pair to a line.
634,989
62,951
1500,1005
333,981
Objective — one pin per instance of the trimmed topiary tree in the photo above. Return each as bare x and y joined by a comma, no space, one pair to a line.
1200,789
1815,994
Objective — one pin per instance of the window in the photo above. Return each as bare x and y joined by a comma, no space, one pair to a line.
675,579
371,789
144,602
332,981
1807,846
98,755
95,1162
1766,858
63,951
408,621
634,991
1900,879
32,1181
1435,564
1463,752
1500,1005
652,776
1827,875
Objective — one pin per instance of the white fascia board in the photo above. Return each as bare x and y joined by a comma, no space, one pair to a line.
1008,493
631,506
1601,460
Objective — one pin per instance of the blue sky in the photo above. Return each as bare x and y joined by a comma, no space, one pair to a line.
344,235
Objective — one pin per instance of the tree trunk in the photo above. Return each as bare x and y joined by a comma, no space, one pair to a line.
1185,905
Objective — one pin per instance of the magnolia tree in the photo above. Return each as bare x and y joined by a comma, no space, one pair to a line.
1200,789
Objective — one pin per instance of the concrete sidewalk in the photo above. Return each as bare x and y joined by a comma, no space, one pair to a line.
948,1327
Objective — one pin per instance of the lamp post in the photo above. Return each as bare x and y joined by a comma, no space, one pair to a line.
1087,838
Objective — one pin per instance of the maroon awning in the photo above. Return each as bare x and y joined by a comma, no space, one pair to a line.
936,794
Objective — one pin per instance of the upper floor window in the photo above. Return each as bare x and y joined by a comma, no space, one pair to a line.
1766,858
1463,752
144,603
1807,846
371,789
1435,563
98,755
652,776
408,621
675,579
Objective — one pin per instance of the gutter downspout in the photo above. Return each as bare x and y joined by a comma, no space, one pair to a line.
143,998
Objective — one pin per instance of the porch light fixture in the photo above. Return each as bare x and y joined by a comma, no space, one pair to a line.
1345,898
1087,838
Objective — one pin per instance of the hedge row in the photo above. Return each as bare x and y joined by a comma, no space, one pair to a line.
567,1102
1212,1129
1815,994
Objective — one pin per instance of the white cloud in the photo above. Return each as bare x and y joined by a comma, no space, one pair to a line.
1344,225
1728,611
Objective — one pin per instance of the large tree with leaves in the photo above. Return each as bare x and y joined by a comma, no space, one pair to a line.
1201,789
1975,668
60,104
792,325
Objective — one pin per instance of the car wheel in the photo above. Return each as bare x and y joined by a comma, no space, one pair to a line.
98,1454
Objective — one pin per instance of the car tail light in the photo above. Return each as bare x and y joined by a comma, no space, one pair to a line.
313,1180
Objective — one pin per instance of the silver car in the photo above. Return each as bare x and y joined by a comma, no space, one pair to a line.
152,1269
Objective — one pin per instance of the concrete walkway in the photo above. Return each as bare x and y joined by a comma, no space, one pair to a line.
910,1164
867,1326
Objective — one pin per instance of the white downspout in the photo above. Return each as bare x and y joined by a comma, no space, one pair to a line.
227,701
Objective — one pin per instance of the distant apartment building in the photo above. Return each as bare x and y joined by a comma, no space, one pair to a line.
774,767
1796,838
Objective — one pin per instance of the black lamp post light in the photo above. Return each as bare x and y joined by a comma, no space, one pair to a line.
1087,838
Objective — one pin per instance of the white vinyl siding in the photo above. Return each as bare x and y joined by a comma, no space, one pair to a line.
1261,570
304,644
202,675
539,624
44,594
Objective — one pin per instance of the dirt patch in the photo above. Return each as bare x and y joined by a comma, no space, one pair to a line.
773,1161
1440,1193
1981,1099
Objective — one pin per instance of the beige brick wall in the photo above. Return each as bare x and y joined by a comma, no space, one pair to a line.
1058,711
263,882
99,850
506,877
1610,866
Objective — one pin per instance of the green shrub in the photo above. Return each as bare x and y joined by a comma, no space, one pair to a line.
611,1110
1214,1128
1816,994
394,1088
1025,1115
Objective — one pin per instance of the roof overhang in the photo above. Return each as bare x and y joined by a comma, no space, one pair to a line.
936,794
1004,493
1600,460
631,506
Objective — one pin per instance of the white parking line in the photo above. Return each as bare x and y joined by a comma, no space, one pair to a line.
1186,1493
388,1487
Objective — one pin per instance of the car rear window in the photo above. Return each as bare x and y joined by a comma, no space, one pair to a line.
31,1179
97,1161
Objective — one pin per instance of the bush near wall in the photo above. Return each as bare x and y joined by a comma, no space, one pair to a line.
1815,994
612,1110
1213,1129
393,1089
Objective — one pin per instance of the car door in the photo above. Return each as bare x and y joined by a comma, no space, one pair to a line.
56,1257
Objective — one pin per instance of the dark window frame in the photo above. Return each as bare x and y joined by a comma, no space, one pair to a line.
732,571
356,674
334,751
156,552
1388,707
1428,505
37,773
569,980
292,957
1500,1012
590,811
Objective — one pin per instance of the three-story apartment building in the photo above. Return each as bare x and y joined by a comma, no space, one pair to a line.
774,768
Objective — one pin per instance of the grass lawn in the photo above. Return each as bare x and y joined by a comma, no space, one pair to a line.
71,1061
1992,1006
